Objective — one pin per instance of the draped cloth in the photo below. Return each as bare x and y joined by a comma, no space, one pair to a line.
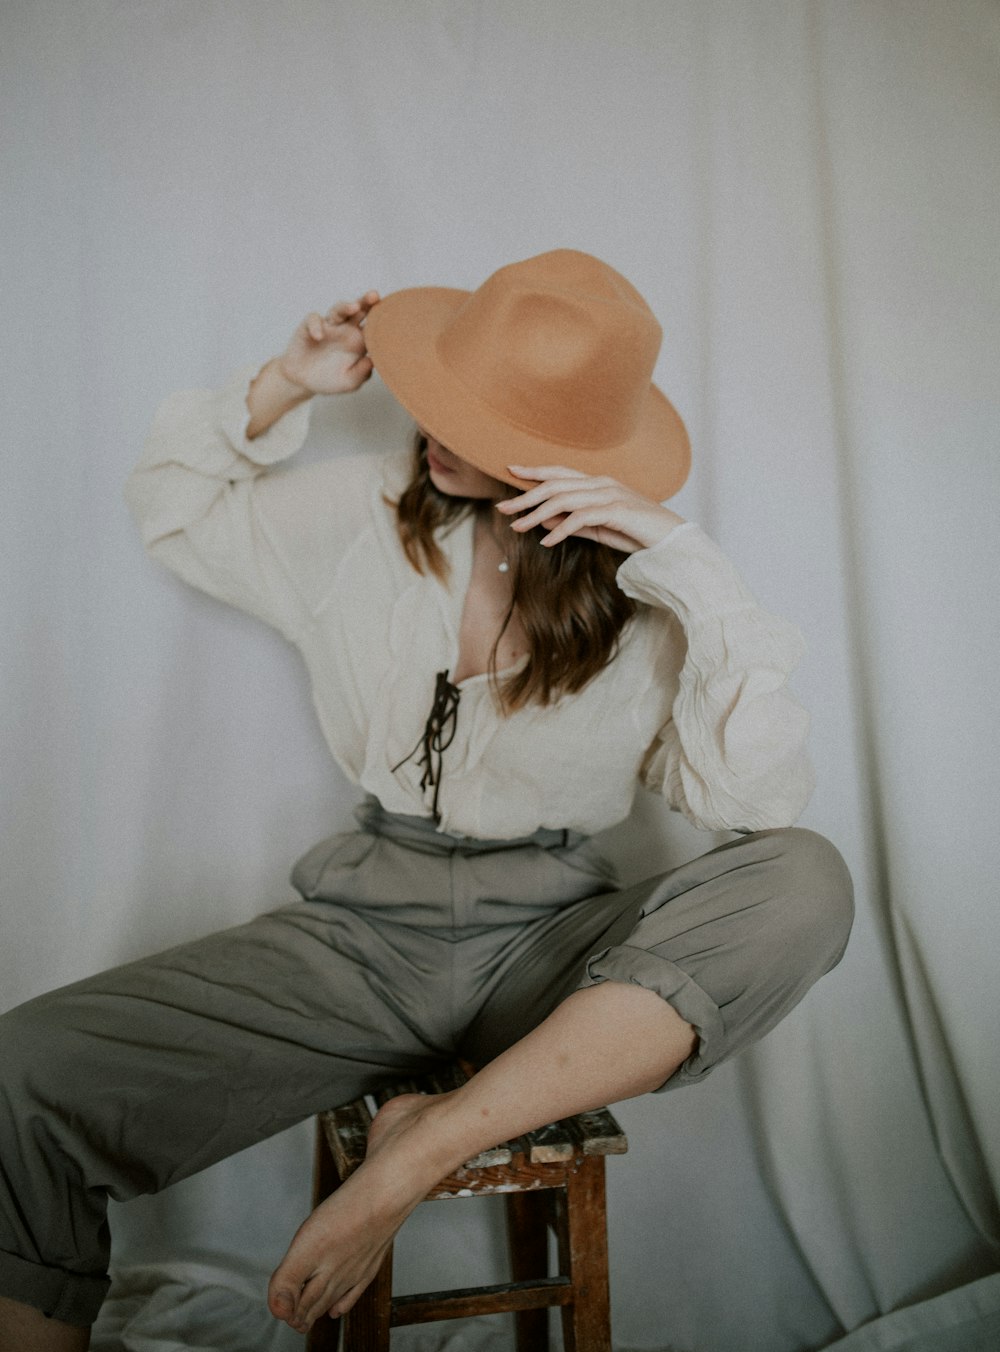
806,192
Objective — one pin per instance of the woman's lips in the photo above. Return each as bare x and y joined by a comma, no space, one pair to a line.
435,463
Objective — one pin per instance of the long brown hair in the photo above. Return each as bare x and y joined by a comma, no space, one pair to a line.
566,597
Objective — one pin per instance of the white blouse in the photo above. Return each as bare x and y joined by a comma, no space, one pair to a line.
695,705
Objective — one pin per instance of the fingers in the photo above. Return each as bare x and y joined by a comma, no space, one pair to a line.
345,312
352,311
361,369
592,507
532,496
576,523
546,472
548,502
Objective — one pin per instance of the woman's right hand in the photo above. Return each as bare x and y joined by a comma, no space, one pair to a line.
327,353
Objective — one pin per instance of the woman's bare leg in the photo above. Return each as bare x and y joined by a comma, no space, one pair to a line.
25,1329
602,1044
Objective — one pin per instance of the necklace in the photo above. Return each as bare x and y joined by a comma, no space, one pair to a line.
503,566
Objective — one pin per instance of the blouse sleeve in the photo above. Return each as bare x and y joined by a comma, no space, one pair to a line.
732,756
212,506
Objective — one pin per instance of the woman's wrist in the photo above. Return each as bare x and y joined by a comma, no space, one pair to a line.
661,523
272,394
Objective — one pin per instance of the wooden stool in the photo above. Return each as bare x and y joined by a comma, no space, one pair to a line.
551,1177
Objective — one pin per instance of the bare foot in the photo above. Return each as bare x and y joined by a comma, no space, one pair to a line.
338,1249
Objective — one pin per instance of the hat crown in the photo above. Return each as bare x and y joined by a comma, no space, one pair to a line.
560,345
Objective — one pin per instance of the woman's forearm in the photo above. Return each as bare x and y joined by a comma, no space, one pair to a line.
271,395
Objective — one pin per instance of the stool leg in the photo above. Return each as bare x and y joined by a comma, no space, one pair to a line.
584,1258
528,1242
367,1325
325,1176
324,1336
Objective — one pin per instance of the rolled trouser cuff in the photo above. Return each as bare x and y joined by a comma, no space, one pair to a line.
639,967
66,1296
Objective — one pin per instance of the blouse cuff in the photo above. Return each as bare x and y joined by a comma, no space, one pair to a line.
281,440
686,572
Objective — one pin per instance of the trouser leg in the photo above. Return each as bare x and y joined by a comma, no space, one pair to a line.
732,939
133,1079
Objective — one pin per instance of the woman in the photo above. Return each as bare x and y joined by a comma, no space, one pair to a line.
506,632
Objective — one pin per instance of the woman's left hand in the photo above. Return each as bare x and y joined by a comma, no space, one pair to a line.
567,502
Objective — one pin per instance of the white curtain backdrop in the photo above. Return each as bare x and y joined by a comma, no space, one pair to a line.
806,191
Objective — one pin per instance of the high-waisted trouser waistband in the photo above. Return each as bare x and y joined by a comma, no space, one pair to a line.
423,834
413,874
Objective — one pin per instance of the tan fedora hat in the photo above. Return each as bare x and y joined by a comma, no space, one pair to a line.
549,362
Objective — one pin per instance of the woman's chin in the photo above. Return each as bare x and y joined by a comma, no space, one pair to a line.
444,481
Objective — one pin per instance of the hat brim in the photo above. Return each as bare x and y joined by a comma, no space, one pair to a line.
401,334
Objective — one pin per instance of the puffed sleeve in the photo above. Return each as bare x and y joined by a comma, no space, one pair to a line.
212,507
732,756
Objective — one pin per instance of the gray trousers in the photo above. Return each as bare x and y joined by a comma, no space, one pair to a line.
408,948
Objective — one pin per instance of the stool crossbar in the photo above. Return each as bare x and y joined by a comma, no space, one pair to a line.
551,1178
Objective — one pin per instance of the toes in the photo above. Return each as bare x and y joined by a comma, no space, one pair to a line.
281,1303
348,1301
320,1297
284,1294
316,1299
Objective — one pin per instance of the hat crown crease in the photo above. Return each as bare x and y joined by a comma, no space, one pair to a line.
572,364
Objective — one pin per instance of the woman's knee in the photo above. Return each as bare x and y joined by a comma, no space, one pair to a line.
36,1072
35,1050
817,891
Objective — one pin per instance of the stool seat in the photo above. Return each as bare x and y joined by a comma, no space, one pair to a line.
552,1177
